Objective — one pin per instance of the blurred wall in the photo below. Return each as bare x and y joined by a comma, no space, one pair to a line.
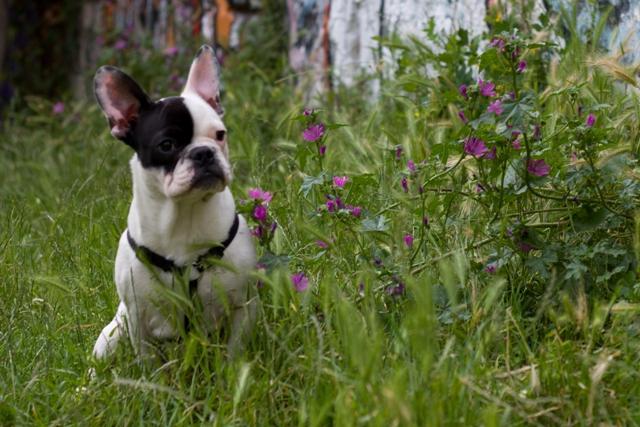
331,41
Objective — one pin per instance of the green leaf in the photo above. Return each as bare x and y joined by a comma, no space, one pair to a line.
575,270
309,181
273,261
374,224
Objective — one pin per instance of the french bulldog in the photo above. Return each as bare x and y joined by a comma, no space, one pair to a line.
182,216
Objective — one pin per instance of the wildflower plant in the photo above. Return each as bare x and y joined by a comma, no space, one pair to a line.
526,153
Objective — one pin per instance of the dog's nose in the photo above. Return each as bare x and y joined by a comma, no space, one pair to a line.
202,155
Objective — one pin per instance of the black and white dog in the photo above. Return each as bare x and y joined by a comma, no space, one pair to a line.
182,213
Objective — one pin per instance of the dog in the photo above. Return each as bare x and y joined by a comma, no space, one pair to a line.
182,217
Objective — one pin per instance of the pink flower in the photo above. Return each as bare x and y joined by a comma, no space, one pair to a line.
398,152
354,210
486,88
495,107
517,144
538,167
300,282
260,213
313,132
525,247
331,205
405,184
537,132
591,120
522,66
498,43
322,244
322,150
260,195
408,240
257,231
308,111
171,51
463,91
475,147
340,181
463,117
491,268
58,108
411,165
120,44
491,154
479,188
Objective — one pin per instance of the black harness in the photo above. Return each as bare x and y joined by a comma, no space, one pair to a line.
145,254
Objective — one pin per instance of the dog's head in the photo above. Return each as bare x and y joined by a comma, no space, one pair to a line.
180,142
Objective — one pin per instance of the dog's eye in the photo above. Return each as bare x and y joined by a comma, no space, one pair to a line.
220,135
166,145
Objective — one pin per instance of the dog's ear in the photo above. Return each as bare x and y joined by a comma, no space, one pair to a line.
204,78
121,99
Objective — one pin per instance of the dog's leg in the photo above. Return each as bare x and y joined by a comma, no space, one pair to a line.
111,334
242,320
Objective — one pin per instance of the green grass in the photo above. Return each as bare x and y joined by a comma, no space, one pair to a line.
461,347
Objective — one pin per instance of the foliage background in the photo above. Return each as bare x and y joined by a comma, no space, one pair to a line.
390,331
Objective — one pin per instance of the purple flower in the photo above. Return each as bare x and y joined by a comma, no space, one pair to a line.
515,53
498,43
408,240
491,154
425,220
495,107
479,188
475,147
354,210
259,194
120,44
463,91
322,244
516,144
538,167
171,51
522,65
525,247
300,282
396,290
463,117
398,152
411,165
322,150
486,88
58,108
308,111
405,184
331,205
313,132
491,268
340,181
260,213
591,120
257,231
537,132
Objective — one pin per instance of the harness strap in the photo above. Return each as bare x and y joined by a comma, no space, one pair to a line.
145,254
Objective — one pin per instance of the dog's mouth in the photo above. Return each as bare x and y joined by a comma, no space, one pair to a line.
209,178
